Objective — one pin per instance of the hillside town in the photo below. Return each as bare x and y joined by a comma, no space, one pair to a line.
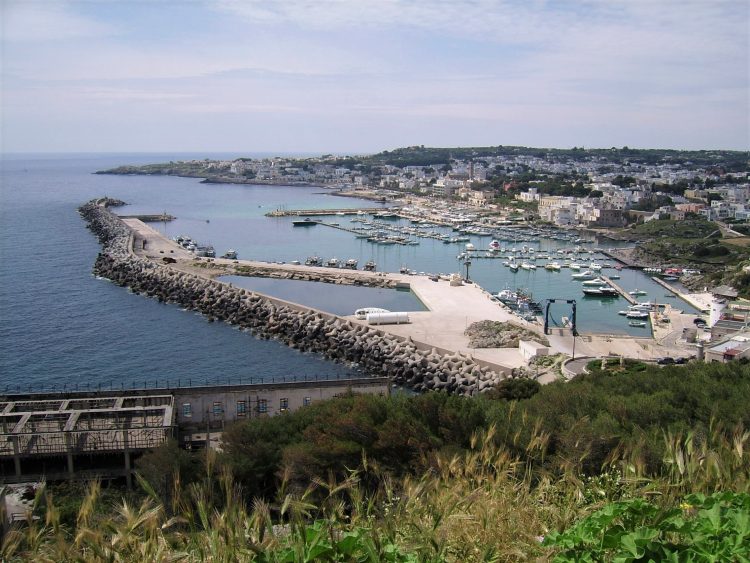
587,190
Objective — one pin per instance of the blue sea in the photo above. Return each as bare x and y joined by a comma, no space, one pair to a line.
61,326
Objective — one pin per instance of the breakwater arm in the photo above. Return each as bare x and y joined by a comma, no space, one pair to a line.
378,353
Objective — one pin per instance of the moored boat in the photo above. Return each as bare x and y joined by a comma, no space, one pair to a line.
602,291
306,222
230,254
586,275
637,315
596,282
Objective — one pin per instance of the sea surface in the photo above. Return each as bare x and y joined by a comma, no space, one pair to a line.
61,326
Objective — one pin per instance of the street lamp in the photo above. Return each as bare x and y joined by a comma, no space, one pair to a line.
467,263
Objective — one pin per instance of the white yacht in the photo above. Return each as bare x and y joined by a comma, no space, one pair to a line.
586,275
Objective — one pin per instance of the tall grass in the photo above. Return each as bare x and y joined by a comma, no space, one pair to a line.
489,503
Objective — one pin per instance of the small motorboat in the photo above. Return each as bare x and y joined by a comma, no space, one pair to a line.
587,275
637,315
637,292
638,324
602,291
230,254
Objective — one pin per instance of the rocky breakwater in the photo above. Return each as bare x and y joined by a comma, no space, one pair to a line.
335,276
376,352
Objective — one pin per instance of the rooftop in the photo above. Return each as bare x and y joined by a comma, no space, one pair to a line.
54,427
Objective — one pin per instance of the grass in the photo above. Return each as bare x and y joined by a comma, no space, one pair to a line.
490,503
687,229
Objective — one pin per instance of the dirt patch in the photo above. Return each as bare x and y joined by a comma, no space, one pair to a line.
496,334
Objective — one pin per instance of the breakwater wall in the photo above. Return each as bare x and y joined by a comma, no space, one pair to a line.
378,353
339,276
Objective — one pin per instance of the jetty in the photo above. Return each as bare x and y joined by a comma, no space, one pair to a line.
161,218
702,306
322,212
632,300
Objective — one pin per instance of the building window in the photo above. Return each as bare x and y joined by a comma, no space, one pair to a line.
306,401
218,408
241,408
284,404
187,410
262,406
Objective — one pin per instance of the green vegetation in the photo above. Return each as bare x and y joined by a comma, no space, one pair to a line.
703,528
695,243
632,461
690,228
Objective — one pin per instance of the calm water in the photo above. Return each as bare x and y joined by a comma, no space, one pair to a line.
59,324
336,299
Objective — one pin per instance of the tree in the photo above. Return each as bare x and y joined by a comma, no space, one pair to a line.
516,389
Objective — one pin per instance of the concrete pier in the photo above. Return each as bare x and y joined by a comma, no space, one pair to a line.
632,300
701,301
323,212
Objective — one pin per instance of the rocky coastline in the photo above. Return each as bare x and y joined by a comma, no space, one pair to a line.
376,352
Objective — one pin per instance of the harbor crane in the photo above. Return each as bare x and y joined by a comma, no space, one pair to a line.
571,302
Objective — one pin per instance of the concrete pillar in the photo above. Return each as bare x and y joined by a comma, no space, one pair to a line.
69,454
126,452
717,308
16,456
700,352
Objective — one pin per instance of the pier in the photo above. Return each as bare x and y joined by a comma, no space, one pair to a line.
322,212
164,217
356,231
632,300
702,306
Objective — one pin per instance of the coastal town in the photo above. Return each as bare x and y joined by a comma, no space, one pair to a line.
565,188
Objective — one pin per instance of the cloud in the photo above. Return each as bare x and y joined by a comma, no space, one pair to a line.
47,20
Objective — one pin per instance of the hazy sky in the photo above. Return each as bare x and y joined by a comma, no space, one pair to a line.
366,75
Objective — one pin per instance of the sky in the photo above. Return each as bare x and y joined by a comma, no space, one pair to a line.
361,76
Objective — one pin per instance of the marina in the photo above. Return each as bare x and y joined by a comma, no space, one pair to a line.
450,308
532,259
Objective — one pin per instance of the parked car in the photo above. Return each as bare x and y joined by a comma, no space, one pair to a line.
665,361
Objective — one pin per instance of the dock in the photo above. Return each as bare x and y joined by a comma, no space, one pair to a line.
685,297
632,300
322,212
163,217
